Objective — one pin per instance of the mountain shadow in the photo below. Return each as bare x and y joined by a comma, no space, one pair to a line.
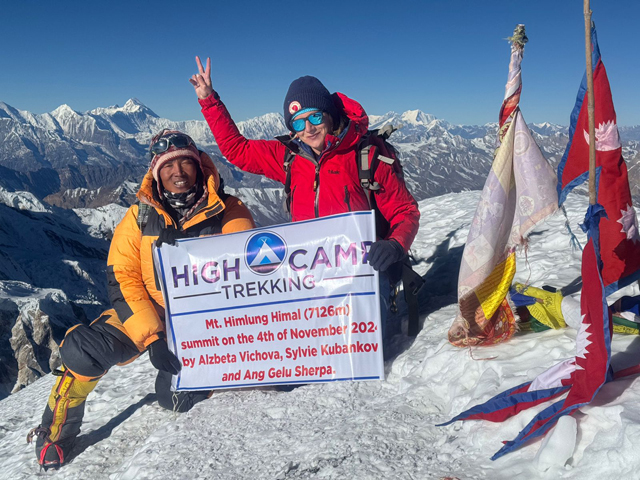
85,441
440,283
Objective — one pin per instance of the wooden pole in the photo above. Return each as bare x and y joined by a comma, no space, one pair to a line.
590,105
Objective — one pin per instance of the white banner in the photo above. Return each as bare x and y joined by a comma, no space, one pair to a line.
293,303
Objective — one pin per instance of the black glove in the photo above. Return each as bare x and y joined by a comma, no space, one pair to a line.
162,358
169,236
384,253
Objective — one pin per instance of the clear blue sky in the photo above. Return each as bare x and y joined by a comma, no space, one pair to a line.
444,57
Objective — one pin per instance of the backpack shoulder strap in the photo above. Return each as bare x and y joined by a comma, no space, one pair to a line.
144,211
221,193
369,154
366,165
286,165
290,152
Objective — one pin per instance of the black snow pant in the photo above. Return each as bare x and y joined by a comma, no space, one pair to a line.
88,352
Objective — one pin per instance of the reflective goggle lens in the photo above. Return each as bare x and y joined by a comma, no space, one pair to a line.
178,141
299,123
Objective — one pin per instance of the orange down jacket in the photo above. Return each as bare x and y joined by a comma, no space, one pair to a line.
132,285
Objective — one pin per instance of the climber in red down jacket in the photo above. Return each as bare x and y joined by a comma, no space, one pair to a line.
326,130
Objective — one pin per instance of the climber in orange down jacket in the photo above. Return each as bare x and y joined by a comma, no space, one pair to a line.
181,196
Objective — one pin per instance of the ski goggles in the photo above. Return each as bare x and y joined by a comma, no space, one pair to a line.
178,140
299,124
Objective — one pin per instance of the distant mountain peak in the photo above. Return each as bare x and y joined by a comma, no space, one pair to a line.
133,105
7,111
64,110
265,126
413,118
417,117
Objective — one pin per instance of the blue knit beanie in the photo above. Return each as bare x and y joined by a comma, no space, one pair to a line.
308,93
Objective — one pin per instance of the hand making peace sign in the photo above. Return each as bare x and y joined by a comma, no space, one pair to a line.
202,81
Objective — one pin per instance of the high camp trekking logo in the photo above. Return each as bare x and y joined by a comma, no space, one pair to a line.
265,252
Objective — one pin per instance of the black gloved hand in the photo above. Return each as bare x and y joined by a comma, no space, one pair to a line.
384,253
162,358
169,236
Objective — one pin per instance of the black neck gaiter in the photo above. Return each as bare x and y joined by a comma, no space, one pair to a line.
182,202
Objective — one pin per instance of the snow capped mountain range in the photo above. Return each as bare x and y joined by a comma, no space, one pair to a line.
75,159
66,178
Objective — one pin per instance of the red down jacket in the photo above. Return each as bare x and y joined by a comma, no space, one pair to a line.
338,188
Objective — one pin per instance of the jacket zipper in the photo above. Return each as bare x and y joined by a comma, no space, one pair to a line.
316,188
290,200
316,182
347,198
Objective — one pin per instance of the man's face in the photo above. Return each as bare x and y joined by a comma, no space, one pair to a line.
314,135
178,175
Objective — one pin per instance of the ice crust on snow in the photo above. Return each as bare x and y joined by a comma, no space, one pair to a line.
372,430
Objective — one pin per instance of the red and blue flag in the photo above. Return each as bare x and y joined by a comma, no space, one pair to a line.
619,230
580,377
610,260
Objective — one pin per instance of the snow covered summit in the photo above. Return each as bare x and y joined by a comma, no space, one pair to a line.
372,430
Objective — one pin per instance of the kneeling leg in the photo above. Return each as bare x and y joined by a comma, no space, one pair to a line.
87,353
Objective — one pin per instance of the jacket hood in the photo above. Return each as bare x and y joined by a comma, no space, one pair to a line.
353,111
211,178
357,127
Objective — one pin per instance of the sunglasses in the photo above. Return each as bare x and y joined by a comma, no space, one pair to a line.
178,140
300,123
